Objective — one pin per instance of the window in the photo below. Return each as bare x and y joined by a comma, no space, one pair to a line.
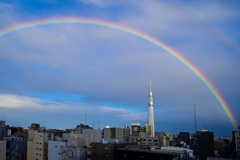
55,146
36,153
40,135
106,155
106,147
39,154
40,143
37,148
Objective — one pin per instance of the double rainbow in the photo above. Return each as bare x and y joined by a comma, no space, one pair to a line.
74,20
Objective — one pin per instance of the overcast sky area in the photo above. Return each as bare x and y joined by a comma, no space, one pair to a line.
54,74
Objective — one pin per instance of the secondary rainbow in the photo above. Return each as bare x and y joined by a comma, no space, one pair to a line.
76,20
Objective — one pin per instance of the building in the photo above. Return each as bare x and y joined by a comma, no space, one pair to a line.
13,148
122,134
145,140
34,126
79,128
219,146
74,149
236,143
3,133
185,136
2,124
205,144
151,116
146,152
54,149
37,146
161,135
107,151
135,127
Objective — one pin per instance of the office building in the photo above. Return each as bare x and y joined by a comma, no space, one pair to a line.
236,143
122,134
37,146
205,144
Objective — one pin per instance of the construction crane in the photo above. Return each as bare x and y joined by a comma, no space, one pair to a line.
205,127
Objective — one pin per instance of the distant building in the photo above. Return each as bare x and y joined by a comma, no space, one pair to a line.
219,146
205,144
2,124
79,128
145,140
56,132
135,128
185,136
34,126
3,133
236,143
122,134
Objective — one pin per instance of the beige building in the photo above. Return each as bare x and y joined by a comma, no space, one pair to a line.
37,145
122,134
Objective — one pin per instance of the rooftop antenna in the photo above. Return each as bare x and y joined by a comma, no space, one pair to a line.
4,116
85,118
98,124
195,119
93,124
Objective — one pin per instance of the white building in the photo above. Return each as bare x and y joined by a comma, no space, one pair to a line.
54,149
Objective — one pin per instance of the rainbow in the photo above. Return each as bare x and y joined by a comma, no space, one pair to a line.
75,20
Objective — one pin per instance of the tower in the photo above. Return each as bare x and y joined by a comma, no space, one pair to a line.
151,118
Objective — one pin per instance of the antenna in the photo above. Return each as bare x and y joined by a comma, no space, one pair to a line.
195,119
85,118
98,124
4,116
93,124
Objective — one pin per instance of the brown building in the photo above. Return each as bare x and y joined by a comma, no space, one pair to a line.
219,146
107,151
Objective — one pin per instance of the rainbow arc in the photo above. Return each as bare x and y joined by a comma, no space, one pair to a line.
74,20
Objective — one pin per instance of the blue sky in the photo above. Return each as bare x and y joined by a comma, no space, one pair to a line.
55,74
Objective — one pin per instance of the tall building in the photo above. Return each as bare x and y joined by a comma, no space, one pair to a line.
205,144
151,118
236,143
37,146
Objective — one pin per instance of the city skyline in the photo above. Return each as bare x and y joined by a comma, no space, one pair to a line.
54,74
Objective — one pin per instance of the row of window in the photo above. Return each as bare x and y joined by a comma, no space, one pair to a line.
59,146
